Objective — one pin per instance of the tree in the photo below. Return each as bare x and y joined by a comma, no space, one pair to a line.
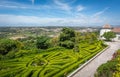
7,45
93,37
109,35
42,42
67,34
67,38
54,41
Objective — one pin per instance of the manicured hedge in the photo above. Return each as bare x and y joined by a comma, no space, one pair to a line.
54,62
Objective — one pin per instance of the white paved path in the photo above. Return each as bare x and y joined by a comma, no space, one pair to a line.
89,70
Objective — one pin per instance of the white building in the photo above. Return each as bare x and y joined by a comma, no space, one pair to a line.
117,31
107,28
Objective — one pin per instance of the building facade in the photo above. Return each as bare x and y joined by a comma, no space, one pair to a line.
107,28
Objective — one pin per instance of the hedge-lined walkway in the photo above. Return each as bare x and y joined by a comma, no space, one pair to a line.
89,70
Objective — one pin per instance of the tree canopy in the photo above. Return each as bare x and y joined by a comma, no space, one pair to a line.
42,42
7,45
67,38
109,35
67,34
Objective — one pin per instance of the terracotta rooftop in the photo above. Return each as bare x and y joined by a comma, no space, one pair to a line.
107,26
116,30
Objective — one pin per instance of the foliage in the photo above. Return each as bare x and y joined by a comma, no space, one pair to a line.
42,42
76,48
67,44
109,35
53,62
7,45
29,44
10,55
67,34
67,38
54,41
49,59
106,70
111,68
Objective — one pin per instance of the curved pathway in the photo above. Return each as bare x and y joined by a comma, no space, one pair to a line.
89,70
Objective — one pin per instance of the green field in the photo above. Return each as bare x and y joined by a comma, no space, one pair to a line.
53,62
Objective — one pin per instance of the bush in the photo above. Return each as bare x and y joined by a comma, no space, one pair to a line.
111,68
67,44
106,70
67,34
7,45
67,38
10,55
76,48
42,42
1,57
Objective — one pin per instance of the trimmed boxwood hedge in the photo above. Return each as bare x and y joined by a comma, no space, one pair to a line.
54,62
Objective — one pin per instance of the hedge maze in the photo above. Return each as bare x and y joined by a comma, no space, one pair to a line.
57,62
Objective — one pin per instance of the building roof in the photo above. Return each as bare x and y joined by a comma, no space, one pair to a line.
107,26
116,30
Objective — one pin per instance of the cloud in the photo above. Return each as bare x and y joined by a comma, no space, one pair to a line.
13,6
100,12
16,5
33,1
80,8
58,5
49,21
57,13
20,19
62,6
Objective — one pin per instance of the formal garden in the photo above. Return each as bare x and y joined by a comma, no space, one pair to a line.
48,57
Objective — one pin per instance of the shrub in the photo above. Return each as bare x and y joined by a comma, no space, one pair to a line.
67,34
111,68
7,45
76,48
10,55
67,44
106,70
42,42
67,38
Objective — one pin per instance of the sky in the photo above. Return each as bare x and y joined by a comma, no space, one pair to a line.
59,12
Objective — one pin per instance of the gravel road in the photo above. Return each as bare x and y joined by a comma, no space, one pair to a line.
89,70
